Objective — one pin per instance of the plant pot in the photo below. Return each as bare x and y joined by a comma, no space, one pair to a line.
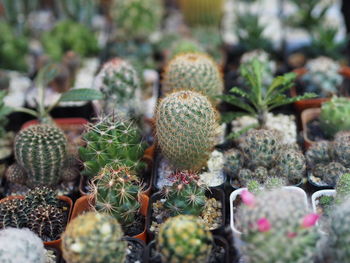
214,192
151,256
307,116
56,244
325,221
318,185
86,202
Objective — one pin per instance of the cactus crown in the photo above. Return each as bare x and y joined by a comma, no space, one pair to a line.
194,71
184,239
186,129
93,237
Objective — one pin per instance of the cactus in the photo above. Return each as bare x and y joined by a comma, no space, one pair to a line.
93,237
333,116
343,188
234,161
111,141
194,71
82,11
318,153
330,173
277,227
21,245
185,46
274,183
202,12
184,239
119,81
13,214
186,129
116,192
341,148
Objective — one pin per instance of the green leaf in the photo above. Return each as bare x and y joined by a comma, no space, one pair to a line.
238,103
82,95
227,117
292,100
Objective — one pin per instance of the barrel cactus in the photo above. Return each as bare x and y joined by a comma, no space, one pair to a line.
186,129
333,117
184,239
93,237
194,71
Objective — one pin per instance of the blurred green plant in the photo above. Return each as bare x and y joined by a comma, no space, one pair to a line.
81,11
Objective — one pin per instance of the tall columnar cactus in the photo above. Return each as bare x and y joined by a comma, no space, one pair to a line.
119,81
186,129
111,141
184,239
21,245
333,117
277,227
93,237
116,193
194,71
343,187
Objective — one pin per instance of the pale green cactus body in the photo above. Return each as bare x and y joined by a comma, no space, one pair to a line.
343,187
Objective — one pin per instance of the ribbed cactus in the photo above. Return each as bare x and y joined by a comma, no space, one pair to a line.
202,12
333,117
111,141
116,192
21,245
193,71
184,239
277,227
13,214
186,129
341,148
93,237
343,187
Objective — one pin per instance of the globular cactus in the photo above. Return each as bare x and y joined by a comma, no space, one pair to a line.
318,153
330,173
186,129
93,237
185,46
13,214
193,71
184,239
21,245
277,227
116,191
111,141
234,161
333,116
343,188
119,81
341,148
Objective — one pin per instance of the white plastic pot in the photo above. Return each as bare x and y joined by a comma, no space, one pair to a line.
319,194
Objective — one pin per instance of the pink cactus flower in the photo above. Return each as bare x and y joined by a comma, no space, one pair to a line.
248,198
310,220
291,235
264,225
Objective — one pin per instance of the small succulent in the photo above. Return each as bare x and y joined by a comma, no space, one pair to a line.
343,188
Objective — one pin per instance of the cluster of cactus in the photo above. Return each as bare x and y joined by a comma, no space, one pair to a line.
111,141
186,195
40,211
119,81
185,239
330,160
333,117
193,71
277,227
41,157
186,129
137,18
116,191
93,237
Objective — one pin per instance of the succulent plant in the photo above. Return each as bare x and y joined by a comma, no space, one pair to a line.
13,214
21,245
185,46
234,161
116,193
343,188
184,239
341,148
93,237
186,129
111,141
318,153
193,71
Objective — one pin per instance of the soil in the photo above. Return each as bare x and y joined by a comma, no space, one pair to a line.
137,226
314,131
135,252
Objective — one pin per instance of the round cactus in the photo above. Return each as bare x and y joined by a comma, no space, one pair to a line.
333,117
185,46
40,150
341,148
343,187
92,238
330,173
186,129
318,153
234,161
193,71
184,239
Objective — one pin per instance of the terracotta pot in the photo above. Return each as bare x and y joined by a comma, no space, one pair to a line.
86,202
56,244
307,116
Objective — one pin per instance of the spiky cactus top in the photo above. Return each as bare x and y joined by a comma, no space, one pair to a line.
184,239
185,129
193,71
92,238
277,226
334,116
111,141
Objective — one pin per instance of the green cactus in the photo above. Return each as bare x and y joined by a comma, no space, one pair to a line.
184,239
111,141
185,46
341,148
318,153
116,193
194,71
343,188
13,214
330,173
186,129
93,237
234,161
333,116
274,183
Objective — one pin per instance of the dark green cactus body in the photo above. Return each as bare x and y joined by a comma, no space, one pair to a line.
13,214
